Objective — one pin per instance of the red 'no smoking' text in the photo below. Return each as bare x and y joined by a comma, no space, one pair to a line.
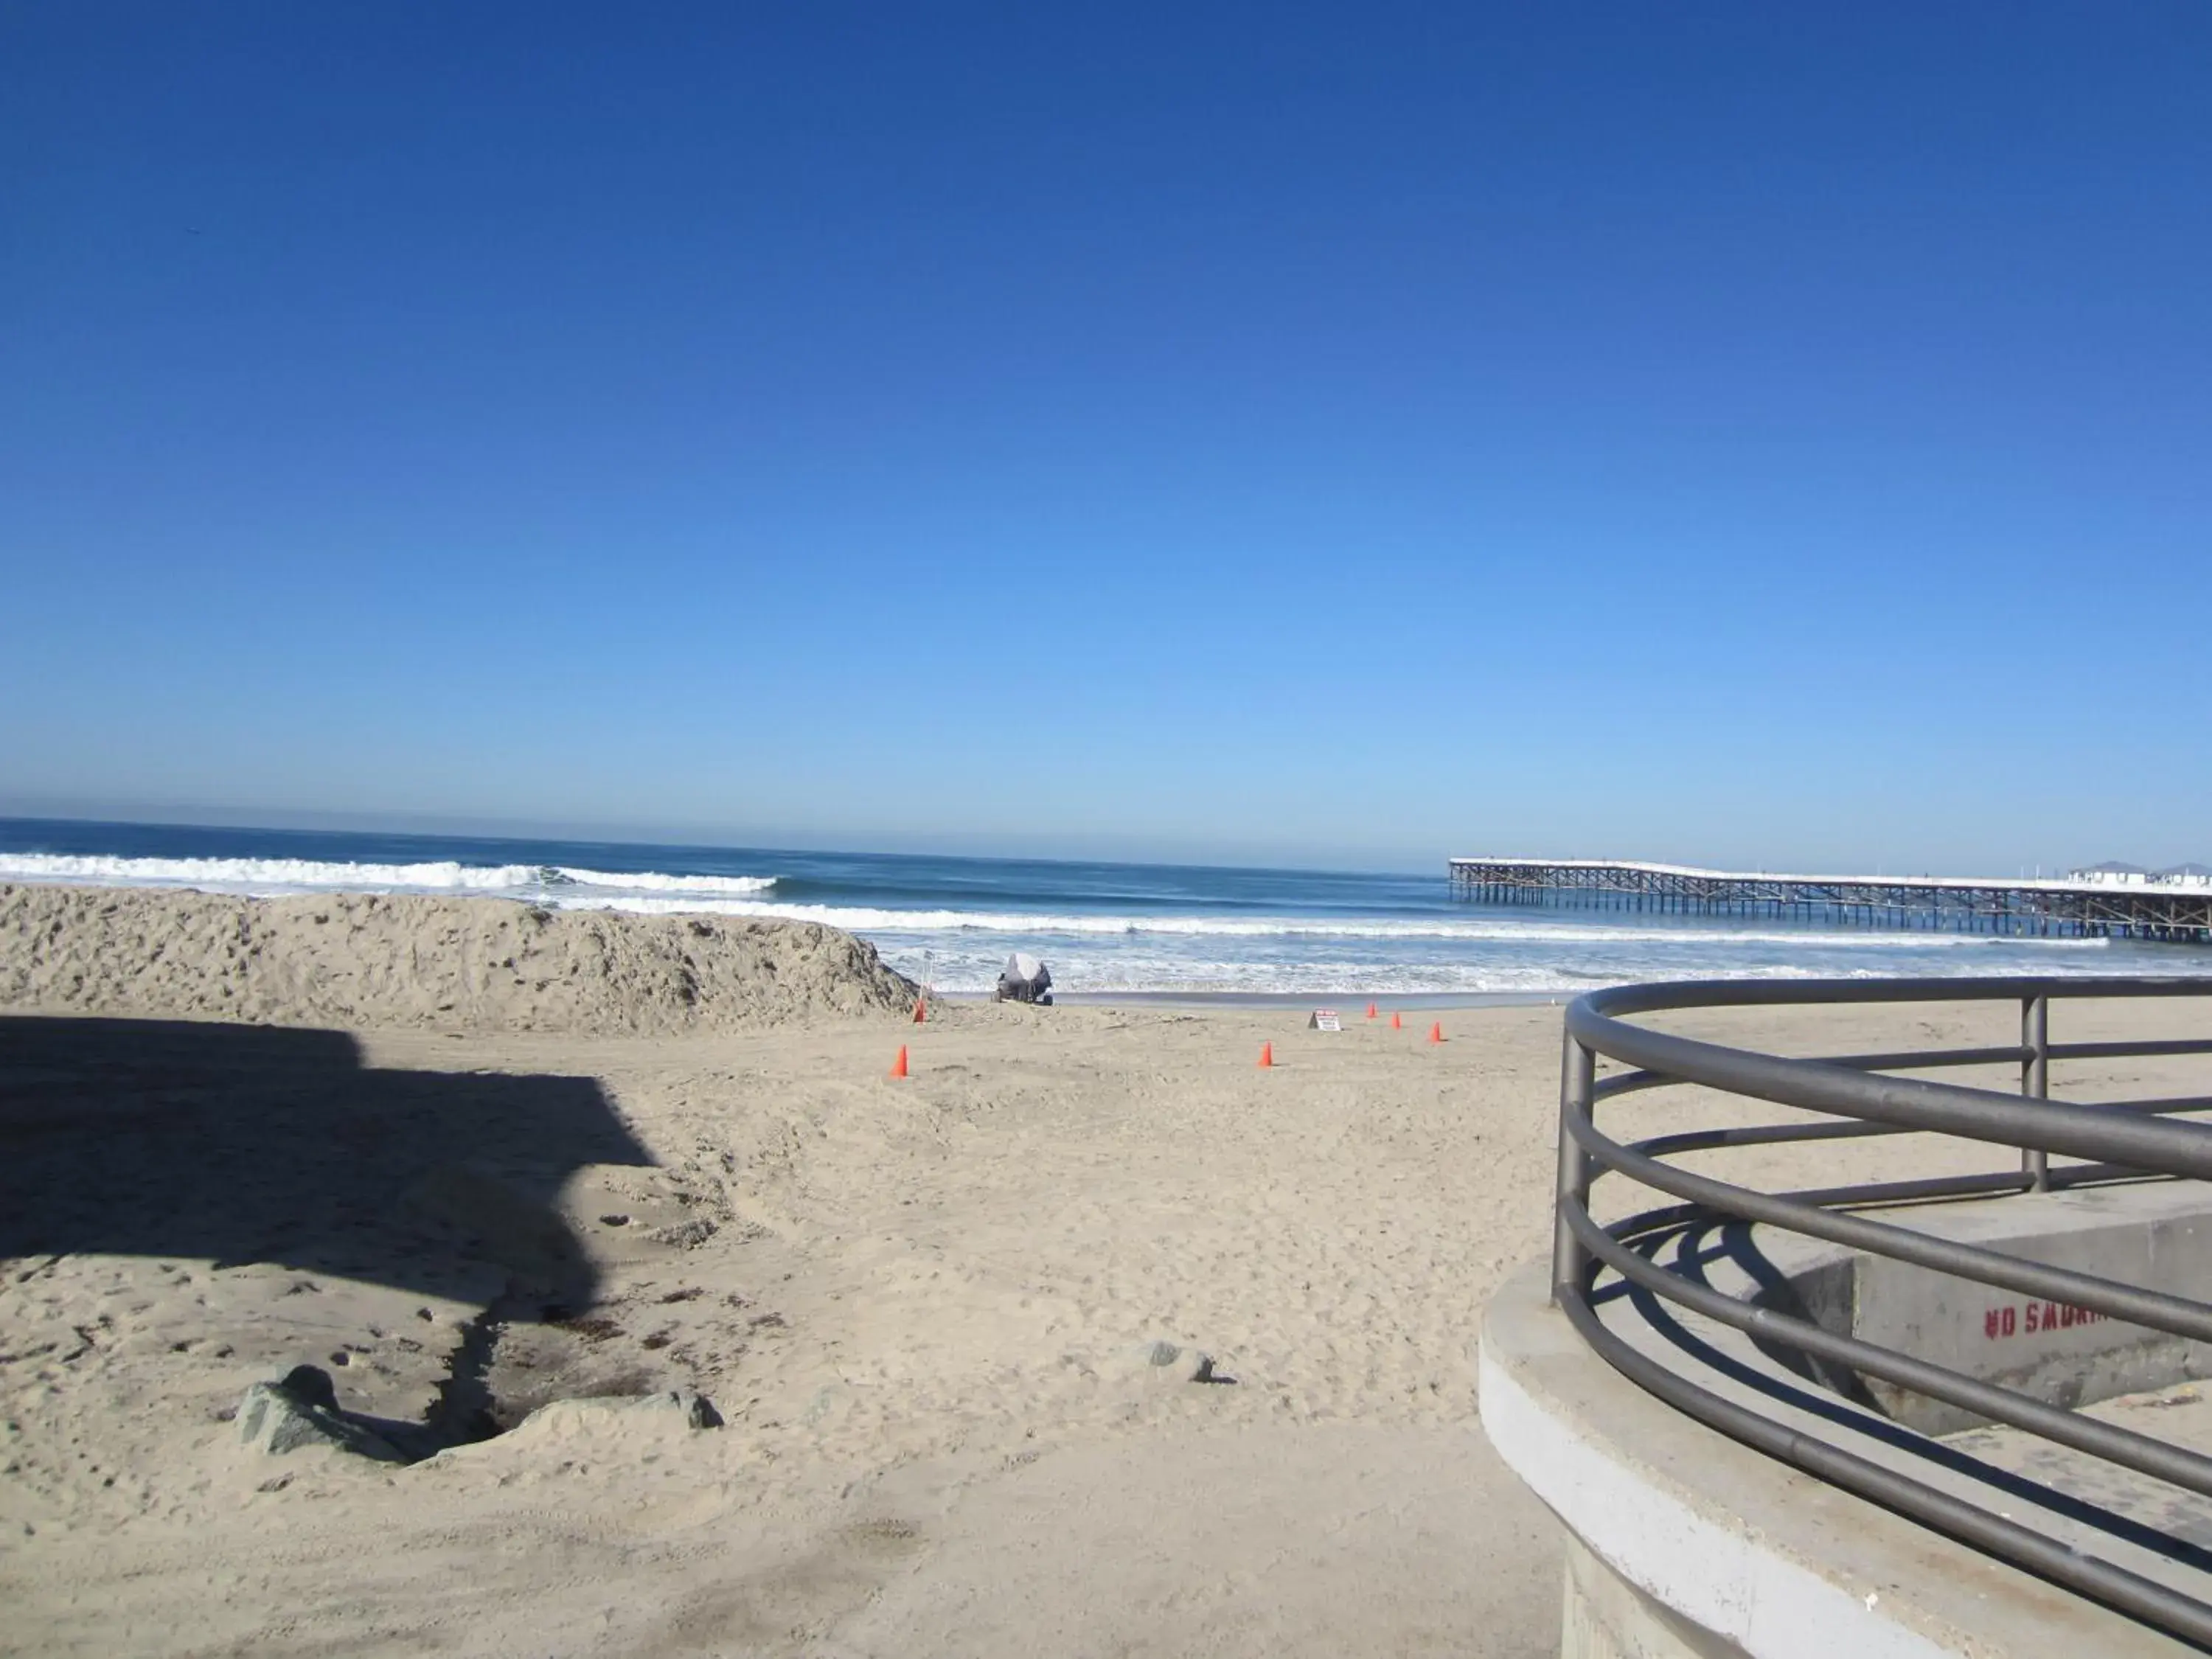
2029,1318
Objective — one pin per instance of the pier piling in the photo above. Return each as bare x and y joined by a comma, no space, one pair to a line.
2080,909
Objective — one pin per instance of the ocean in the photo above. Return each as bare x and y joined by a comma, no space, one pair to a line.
1104,929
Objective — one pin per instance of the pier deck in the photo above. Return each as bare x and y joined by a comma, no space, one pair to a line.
2181,914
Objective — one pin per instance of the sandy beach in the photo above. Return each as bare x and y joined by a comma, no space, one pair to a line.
928,1313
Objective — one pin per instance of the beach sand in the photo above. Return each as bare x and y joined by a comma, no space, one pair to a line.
926,1310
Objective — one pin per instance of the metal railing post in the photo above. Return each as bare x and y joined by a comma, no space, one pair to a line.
2035,1081
1569,1256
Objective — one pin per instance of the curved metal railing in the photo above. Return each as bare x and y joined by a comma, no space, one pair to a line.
2119,1140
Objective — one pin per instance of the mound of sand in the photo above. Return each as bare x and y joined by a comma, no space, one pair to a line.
473,964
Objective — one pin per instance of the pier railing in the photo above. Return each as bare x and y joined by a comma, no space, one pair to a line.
2122,1140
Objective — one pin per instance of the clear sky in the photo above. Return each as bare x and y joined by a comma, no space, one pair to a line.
1751,433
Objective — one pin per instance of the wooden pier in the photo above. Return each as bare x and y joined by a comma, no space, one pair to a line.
2051,910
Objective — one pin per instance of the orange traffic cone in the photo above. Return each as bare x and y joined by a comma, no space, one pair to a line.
1397,1024
1370,1011
898,1065
921,1011
1267,1054
1437,1032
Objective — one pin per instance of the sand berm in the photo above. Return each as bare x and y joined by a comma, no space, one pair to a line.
405,962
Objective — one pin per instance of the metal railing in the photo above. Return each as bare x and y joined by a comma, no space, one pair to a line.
2119,1140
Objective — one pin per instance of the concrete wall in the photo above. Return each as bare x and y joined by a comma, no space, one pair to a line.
2155,1236
1605,1616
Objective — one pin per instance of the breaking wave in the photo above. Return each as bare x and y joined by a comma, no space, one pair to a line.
652,881
276,877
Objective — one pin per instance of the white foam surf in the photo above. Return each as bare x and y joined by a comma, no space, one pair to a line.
257,875
273,877
872,919
962,972
653,881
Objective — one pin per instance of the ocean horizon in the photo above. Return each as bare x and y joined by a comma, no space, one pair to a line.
1106,928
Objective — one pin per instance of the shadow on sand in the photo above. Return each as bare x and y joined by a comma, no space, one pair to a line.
241,1144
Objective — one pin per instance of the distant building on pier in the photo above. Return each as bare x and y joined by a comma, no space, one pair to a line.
2114,873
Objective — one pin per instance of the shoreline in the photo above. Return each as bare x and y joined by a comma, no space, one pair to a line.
1134,935
1350,1004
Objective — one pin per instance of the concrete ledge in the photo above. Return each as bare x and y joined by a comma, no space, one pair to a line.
2157,1235
1688,1545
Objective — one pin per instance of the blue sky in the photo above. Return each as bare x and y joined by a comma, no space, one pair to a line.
1752,434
